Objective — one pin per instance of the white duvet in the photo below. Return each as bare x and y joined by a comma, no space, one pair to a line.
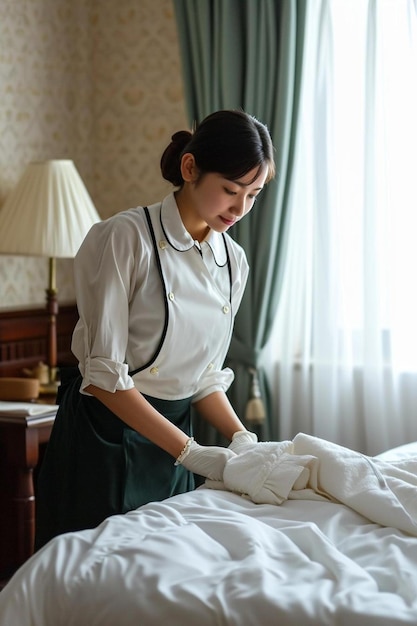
214,558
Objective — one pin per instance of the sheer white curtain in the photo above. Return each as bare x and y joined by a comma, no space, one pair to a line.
344,349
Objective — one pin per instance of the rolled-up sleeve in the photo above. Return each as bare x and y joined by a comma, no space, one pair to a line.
214,380
103,272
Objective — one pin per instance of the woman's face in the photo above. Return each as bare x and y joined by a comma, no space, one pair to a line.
220,202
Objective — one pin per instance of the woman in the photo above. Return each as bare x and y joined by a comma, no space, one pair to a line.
157,292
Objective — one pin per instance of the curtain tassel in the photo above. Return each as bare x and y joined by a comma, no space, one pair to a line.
255,409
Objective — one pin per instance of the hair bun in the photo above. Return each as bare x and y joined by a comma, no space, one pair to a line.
171,158
181,138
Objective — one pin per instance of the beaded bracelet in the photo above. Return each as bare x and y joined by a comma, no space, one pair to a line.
184,451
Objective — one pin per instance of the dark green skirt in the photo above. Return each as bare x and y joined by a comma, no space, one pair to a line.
95,465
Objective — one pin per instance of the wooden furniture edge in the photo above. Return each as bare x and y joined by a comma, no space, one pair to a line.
23,338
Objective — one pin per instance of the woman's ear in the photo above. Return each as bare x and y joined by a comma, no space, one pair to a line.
189,169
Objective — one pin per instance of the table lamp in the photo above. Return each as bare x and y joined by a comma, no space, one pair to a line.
47,214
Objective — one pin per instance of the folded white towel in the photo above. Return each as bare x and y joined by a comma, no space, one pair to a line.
267,472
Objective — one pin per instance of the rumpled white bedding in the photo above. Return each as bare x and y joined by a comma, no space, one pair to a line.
311,468
214,558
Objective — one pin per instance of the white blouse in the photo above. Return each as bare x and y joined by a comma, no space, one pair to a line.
176,332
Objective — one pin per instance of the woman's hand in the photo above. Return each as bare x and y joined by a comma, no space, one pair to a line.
208,461
242,440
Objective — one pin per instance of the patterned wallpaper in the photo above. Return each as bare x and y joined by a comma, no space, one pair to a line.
99,82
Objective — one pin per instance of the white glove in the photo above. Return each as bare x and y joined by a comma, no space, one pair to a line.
242,441
208,461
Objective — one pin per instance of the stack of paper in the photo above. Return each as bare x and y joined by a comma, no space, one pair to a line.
26,410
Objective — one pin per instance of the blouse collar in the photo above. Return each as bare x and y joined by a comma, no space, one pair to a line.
180,239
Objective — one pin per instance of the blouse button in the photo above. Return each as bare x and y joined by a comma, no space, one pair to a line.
171,296
154,371
162,244
226,309
210,366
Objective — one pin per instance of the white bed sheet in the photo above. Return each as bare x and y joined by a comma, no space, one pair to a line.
214,558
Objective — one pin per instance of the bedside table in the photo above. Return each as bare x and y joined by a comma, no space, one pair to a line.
20,444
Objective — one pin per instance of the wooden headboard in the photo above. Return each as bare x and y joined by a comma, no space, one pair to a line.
23,338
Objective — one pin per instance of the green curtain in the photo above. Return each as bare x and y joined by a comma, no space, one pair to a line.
247,54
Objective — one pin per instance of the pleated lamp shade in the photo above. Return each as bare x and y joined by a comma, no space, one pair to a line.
48,213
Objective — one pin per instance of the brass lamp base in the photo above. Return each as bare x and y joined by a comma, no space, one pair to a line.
49,389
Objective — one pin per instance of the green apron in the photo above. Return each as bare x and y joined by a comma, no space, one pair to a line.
95,465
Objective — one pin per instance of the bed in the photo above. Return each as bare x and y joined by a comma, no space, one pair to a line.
216,557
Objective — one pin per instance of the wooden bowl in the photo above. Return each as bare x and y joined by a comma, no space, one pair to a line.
19,389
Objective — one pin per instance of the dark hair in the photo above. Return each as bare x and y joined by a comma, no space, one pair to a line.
230,143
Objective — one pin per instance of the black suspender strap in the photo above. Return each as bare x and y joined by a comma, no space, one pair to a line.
161,276
229,267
